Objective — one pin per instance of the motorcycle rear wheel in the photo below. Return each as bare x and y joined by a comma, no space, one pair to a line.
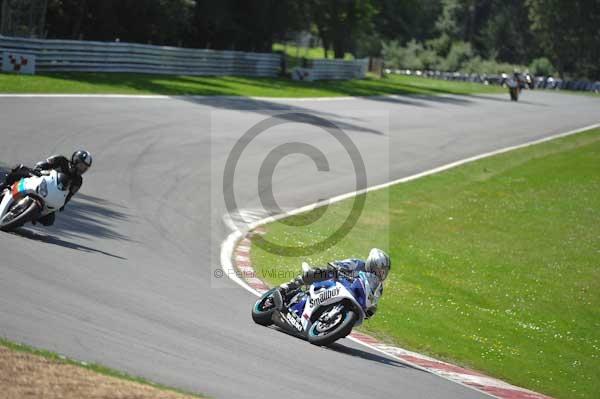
26,211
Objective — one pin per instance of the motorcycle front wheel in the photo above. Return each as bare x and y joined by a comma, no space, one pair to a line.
22,212
331,323
263,309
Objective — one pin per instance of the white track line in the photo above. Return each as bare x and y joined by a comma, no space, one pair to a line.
182,97
229,244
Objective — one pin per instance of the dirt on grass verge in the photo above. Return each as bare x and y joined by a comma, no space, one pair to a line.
24,375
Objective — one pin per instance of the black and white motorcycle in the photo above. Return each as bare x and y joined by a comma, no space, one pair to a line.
32,198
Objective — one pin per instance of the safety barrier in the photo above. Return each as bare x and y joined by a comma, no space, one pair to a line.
89,56
332,69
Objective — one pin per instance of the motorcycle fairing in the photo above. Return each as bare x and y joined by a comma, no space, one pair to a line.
44,189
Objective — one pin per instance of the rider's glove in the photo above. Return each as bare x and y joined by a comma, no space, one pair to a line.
62,208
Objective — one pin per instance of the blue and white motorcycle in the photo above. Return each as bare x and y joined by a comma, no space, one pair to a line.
324,313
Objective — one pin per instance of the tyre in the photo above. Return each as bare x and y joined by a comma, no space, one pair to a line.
263,309
324,331
22,212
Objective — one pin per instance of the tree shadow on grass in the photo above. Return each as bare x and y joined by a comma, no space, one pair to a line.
230,85
174,85
145,83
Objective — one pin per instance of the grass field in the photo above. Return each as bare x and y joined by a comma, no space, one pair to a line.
29,372
495,264
121,83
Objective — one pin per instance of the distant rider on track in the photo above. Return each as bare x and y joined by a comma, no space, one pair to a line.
80,162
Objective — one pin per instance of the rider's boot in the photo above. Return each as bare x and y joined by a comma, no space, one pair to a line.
287,289
309,276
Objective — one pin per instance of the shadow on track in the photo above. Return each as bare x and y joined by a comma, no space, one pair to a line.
4,170
424,100
374,357
355,352
267,107
85,215
32,235
90,216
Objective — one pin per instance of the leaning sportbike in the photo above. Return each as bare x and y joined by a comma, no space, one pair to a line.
32,198
323,313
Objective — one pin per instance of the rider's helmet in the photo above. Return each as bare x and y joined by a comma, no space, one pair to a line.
81,161
378,263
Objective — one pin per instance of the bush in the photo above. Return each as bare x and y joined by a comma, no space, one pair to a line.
460,57
430,59
460,53
440,45
542,67
407,57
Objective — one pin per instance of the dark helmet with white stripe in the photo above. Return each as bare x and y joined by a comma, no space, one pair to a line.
81,161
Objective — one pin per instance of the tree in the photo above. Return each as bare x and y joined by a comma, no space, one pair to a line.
143,21
23,17
460,53
404,20
340,22
541,67
506,35
568,33
243,25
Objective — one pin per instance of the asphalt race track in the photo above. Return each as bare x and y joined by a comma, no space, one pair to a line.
125,277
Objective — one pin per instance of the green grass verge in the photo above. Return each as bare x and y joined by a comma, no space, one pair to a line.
495,263
295,54
122,83
313,53
97,368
